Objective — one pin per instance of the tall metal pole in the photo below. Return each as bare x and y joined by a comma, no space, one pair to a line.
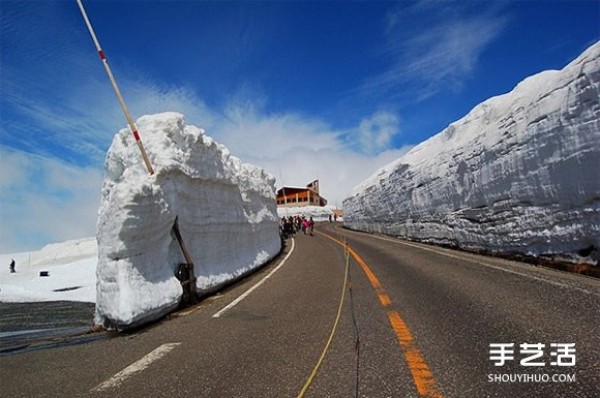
138,140
132,126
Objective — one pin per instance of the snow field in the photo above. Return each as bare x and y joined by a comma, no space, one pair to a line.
71,268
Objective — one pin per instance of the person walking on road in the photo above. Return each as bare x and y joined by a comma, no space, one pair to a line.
12,266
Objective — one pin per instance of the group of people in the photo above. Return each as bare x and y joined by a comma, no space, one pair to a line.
288,226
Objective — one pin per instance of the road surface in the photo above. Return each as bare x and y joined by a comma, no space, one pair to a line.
378,317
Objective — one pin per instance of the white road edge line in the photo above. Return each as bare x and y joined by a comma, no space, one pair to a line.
247,292
135,367
485,264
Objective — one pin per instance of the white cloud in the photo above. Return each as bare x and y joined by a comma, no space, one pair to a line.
45,200
147,98
442,56
296,149
248,132
376,132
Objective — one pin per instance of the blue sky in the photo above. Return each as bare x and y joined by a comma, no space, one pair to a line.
330,90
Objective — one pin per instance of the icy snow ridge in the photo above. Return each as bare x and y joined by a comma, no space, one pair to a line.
518,174
226,209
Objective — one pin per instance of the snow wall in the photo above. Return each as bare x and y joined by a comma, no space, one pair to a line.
520,174
227,218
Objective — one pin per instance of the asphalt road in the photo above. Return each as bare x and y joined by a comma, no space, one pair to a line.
16,317
414,320
31,326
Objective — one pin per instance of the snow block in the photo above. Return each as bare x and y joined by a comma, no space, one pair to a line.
518,174
227,217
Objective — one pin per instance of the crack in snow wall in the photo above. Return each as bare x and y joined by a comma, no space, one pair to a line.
518,174
227,217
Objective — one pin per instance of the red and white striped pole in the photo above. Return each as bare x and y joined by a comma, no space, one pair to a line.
132,126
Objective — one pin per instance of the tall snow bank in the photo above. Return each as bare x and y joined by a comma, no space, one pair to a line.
227,217
519,173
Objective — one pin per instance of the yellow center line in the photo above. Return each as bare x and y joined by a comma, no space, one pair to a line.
384,299
421,374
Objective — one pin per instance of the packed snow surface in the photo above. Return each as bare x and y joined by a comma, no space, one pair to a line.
518,174
226,211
